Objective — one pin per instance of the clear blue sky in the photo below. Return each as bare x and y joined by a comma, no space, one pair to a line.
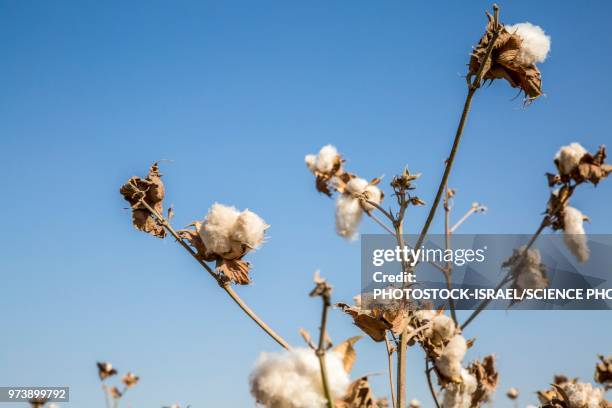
235,93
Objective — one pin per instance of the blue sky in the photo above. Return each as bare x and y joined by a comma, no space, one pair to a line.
234,94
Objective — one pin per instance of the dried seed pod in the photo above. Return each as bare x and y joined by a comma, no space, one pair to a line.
514,54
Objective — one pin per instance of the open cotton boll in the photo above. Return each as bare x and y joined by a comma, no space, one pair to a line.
583,395
568,157
531,278
442,328
217,227
526,269
292,379
249,229
459,395
348,215
535,43
449,362
373,194
326,159
311,162
356,185
573,233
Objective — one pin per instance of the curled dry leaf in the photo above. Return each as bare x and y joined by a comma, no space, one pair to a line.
376,321
486,376
603,372
105,370
151,191
504,62
360,395
236,270
347,351
194,239
130,380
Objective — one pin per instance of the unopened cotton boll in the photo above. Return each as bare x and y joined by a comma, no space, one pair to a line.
568,157
249,229
292,379
535,43
459,395
348,215
573,233
217,227
449,362
583,395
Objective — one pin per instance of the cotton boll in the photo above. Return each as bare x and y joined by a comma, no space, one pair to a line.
311,162
348,215
535,43
292,379
217,227
573,233
449,362
373,194
459,395
568,157
442,327
356,185
249,229
326,159
583,395
531,278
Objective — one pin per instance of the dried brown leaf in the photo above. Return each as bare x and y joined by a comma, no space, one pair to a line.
151,191
360,395
486,377
347,351
236,270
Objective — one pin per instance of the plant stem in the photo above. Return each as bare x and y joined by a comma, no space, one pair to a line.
224,285
449,266
430,383
472,88
390,363
321,351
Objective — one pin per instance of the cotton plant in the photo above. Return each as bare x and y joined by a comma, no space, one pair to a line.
114,394
223,240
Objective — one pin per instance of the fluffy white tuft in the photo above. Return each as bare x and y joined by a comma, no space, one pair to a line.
583,395
217,228
568,157
573,233
249,229
348,216
449,362
528,271
225,230
414,403
459,395
292,379
535,43
324,161
360,186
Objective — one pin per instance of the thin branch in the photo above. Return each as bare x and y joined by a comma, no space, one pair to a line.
472,88
430,383
474,209
447,244
325,296
224,284
390,352
380,222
